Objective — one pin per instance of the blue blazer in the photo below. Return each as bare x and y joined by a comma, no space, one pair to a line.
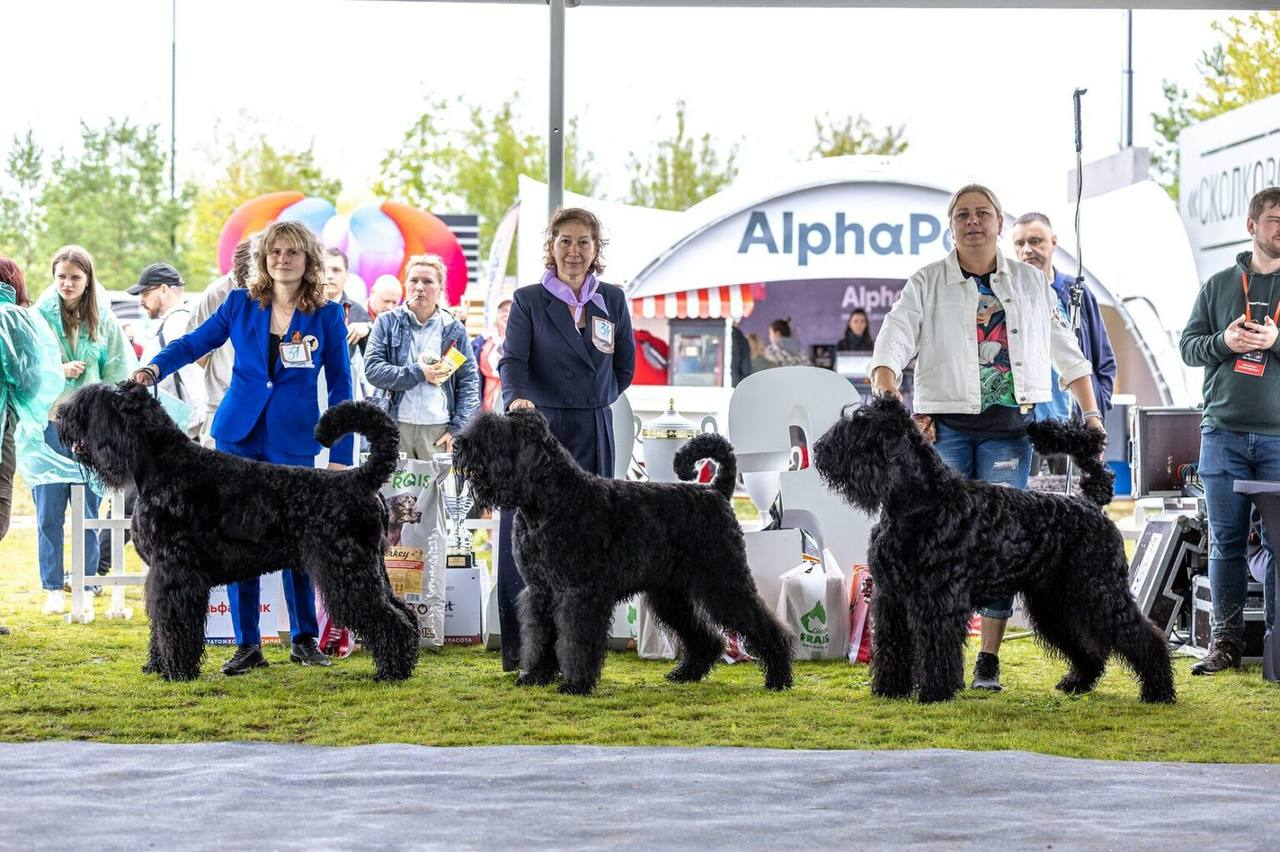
290,401
547,361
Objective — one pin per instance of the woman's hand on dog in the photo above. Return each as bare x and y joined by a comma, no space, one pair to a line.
145,376
882,383
519,404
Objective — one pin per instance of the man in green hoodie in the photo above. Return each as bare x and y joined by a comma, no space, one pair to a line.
1232,334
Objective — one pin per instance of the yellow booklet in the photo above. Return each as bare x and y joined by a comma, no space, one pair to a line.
451,360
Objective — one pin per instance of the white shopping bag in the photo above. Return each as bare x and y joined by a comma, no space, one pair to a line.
814,602
653,641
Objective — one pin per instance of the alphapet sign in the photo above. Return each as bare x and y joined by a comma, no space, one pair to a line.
1224,162
844,235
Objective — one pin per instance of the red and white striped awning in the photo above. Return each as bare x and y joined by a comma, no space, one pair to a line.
734,301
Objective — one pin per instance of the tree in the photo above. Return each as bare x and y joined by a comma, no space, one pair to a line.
249,166
113,199
476,167
1242,68
21,219
855,136
682,172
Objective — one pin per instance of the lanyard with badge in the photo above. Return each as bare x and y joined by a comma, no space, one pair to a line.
296,352
1252,363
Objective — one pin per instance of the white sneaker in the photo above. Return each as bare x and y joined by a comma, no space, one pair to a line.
54,604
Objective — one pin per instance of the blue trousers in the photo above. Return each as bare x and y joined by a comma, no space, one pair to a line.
1006,461
299,593
51,513
1226,456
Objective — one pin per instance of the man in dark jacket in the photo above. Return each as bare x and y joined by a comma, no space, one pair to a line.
1232,335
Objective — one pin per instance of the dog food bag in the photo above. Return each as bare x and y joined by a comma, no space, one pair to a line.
815,604
415,552
860,615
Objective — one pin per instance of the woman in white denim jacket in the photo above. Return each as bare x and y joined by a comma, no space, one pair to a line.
984,332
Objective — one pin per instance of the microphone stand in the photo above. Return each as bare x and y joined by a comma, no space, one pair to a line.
1077,286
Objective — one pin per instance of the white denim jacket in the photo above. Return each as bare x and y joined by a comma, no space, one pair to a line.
936,319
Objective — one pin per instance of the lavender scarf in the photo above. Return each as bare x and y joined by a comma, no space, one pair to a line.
564,293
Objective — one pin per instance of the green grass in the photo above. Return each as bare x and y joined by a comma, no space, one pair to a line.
81,682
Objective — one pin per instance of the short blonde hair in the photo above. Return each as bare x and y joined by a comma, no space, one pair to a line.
975,187
432,260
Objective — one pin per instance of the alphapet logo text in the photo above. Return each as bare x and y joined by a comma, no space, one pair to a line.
843,236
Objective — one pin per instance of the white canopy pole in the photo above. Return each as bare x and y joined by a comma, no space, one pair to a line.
555,131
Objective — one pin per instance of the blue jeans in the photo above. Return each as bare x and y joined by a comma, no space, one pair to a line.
299,593
1226,456
1005,461
51,513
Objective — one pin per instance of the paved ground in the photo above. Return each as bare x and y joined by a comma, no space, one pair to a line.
242,795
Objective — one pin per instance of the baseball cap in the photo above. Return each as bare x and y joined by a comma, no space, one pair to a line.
155,275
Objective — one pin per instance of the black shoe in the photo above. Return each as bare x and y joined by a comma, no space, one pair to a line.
4,631
246,659
306,652
986,672
1223,654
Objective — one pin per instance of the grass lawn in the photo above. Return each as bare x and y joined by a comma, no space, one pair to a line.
61,681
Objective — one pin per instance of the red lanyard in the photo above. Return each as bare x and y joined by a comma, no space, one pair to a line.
1248,314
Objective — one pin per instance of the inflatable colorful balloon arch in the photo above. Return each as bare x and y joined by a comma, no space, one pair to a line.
378,239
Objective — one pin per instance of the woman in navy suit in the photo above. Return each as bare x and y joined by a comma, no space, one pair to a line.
284,332
569,352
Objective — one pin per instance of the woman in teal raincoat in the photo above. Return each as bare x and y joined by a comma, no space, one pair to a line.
91,348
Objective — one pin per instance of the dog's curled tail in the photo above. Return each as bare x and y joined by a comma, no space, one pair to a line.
1084,445
372,422
709,446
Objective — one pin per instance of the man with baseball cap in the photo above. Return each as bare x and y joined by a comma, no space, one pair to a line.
160,292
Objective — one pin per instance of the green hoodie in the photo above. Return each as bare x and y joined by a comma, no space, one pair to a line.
1232,400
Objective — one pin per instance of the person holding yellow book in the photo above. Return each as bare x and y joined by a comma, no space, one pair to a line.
420,363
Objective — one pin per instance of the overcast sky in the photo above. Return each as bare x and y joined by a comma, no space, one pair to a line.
988,92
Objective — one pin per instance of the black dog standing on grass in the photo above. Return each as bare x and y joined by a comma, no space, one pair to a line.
944,543
583,543
205,518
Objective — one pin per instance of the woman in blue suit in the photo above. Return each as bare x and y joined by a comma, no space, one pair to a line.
569,352
284,332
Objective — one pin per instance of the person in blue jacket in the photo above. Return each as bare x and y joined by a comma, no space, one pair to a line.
284,332
569,352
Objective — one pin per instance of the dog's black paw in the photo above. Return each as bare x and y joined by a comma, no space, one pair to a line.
575,688
150,667
778,683
543,678
1159,696
390,677
683,675
1071,684
935,696
179,676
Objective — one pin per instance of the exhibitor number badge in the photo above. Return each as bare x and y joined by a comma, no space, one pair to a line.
602,334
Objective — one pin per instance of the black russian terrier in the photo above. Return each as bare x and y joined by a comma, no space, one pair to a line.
205,518
583,543
944,545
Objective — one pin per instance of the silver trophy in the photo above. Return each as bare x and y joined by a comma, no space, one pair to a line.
455,497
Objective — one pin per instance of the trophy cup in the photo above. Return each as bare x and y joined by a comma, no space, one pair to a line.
457,502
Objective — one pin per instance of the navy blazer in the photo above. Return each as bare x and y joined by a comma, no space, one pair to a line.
290,400
547,361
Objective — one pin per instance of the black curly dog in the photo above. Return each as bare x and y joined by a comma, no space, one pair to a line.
583,543
945,544
205,518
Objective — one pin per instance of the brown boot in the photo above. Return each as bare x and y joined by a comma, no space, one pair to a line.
1223,654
